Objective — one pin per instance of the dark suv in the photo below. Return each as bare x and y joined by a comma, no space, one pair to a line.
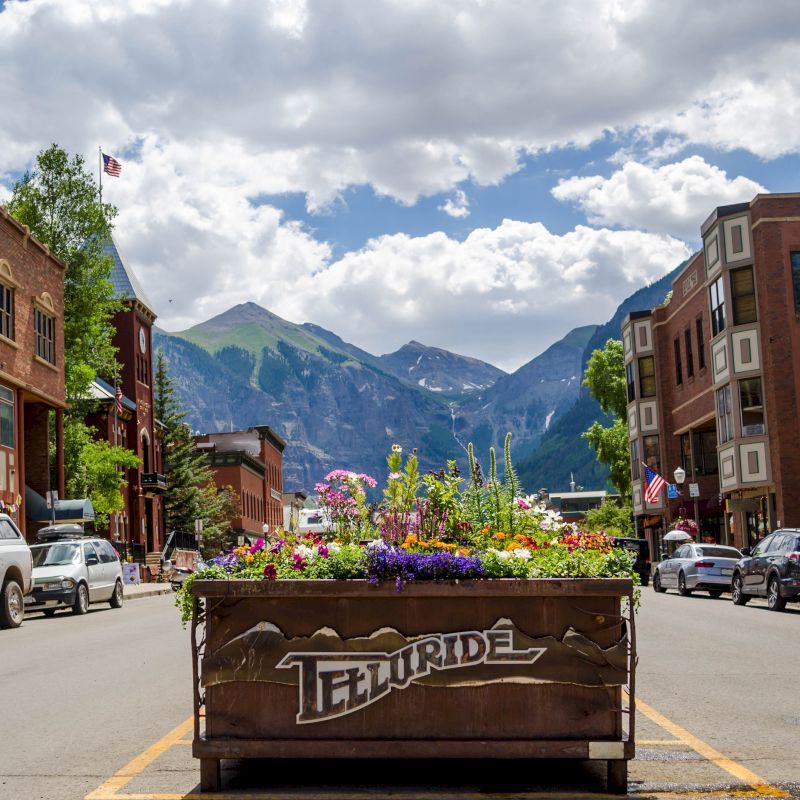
771,569
642,550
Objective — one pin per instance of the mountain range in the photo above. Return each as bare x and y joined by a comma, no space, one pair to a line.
337,405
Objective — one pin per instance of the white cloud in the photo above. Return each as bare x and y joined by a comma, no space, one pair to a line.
456,206
502,294
411,98
672,199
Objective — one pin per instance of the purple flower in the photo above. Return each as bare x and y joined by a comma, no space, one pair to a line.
270,573
384,563
259,545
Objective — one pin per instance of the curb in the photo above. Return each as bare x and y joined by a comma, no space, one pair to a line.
154,592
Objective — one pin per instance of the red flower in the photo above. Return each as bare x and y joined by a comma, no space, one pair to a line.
270,573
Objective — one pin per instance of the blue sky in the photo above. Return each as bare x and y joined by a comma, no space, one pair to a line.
481,177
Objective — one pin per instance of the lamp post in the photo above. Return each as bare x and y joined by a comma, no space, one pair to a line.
680,476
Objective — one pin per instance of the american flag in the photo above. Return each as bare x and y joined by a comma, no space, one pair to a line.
118,394
654,483
111,166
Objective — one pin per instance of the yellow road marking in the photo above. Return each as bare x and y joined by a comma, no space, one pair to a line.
650,742
756,783
758,787
140,763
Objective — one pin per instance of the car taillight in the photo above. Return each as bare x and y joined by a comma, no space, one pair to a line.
704,564
795,556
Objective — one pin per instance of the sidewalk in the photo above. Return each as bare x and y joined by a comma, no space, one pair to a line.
137,591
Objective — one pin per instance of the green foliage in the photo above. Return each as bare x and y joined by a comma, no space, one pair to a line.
442,512
605,378
97,469
273,372
403,482
237,360
191,492
60,202
612,448
612,518
474,505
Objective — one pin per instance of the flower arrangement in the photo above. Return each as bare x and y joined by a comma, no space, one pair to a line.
689,526
432,527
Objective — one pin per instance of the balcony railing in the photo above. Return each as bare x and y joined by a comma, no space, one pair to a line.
153,482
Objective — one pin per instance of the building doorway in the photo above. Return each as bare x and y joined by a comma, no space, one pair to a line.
148,521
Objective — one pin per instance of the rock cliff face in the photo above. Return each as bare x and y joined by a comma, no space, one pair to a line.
339,406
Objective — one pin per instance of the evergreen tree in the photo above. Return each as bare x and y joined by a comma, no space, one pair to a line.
191,492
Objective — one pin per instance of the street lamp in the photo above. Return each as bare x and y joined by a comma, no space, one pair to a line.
265,529
680,475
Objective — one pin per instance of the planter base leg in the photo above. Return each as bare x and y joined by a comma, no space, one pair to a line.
210,780
617,776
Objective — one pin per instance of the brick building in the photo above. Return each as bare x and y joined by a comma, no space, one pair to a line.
31,370
140,526
251,462
714,379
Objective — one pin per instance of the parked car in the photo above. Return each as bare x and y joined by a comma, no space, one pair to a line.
708,567
771,569
73,572
642,549
16,566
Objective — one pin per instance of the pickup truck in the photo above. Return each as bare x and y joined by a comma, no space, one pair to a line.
16,568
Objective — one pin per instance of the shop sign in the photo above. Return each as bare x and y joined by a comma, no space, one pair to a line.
336,676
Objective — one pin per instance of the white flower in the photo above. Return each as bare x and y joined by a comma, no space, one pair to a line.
305,552
379,543
333,547
503,555
522,553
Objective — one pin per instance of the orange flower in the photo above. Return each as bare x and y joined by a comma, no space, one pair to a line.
412,538
520,537
513,546
500,535
462,551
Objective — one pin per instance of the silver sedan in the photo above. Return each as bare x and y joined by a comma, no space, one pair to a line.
707,567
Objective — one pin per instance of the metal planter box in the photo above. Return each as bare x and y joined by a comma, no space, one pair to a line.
507,669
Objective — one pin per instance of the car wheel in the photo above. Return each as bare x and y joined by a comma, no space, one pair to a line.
715,593
49,612
774,600
737,591
657,583
12,605
682,590
118,596
81,605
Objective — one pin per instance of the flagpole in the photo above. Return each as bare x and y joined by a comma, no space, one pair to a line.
100,169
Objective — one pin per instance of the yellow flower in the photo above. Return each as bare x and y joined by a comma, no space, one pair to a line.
513,546
520,537
500,535
462,551
405,546
412,538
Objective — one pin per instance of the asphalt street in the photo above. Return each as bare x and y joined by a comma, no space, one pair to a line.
99,706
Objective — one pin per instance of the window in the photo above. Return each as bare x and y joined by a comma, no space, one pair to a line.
7,530
743,292
705,453
689,355
686,454
6,417
6,311
89,552
647,377
795,263
45,330
763,546
678,366
651,454
105,551
631,383
724,415
635,459
752,405
717,298
701,345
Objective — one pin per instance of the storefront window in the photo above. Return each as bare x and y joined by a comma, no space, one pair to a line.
6,417
651,455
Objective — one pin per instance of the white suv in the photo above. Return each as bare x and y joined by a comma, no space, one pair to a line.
16,567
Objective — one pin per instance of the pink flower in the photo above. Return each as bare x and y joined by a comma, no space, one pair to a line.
523,503
395,476
259,545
